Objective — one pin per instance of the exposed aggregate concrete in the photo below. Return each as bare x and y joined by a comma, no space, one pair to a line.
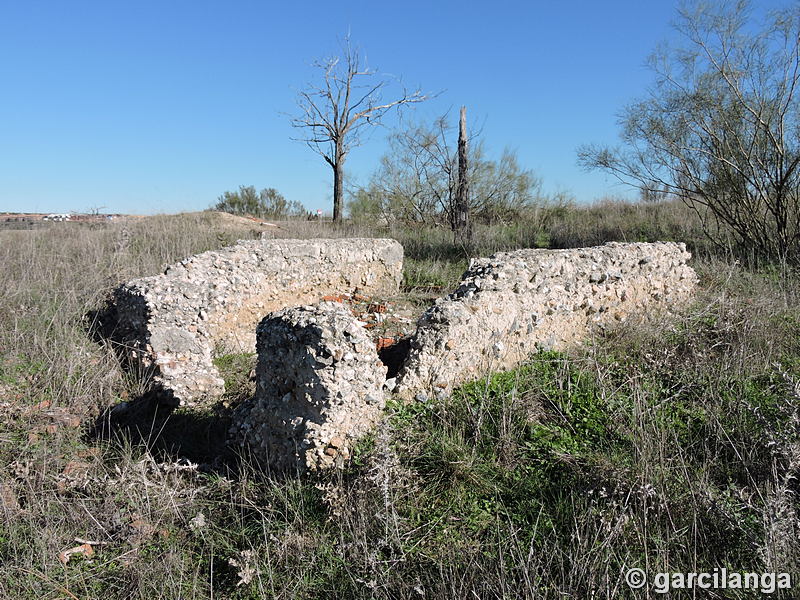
319,387
511,304
210,303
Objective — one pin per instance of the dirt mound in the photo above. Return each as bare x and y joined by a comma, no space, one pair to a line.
246,221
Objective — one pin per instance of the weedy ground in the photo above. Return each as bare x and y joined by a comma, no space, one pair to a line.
669,447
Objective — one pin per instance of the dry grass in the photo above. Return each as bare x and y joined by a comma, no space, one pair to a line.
668,447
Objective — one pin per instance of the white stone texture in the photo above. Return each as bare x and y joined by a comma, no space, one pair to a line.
174,323
318,389
513,303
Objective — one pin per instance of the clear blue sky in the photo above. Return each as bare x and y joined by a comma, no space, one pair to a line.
145,107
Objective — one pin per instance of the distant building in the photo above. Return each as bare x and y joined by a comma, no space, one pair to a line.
57,217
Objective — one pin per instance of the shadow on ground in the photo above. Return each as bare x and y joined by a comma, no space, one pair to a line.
169,433
154,420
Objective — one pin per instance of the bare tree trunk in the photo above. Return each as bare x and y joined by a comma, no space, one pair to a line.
335,113
338,191
462,227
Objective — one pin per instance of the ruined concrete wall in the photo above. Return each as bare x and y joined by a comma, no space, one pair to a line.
318,389
320,384
175,322
509,305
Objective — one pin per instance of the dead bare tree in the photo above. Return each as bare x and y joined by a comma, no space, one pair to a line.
461,222
335,113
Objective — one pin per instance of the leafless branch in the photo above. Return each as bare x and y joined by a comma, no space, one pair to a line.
335,112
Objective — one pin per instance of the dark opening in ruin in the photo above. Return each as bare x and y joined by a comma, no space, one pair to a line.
393,352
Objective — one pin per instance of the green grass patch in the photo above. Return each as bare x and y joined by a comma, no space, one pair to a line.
507,451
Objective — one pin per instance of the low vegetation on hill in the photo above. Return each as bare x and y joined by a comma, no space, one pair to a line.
671,447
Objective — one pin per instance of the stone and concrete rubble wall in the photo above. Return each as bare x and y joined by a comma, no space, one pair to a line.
509,305
320,383
175,322
319,387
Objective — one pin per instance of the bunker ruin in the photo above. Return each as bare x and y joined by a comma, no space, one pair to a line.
176,322
320,383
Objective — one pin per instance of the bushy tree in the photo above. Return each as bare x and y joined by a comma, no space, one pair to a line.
269,203
365,206
417,179
720,127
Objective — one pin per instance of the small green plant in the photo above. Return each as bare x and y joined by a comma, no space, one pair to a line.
237,370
